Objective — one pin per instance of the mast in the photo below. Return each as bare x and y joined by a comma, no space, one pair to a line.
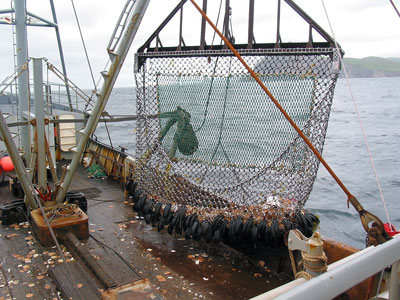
60,49
23,79
117,59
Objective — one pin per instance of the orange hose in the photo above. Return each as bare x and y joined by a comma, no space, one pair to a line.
254,75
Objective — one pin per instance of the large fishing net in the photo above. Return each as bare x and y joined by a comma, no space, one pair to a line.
211,145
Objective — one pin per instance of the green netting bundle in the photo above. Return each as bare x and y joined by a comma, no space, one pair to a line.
184,138
95,171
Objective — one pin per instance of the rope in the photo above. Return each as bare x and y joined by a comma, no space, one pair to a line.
318,264
293,263
359,119
214,71
208,97
221,126
219,12
83,43
395,8
304,274
109,137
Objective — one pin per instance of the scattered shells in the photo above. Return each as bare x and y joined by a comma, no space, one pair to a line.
161,278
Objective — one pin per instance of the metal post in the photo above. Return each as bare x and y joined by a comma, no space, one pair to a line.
137,16
394,290
53,10
39,116
251,25
310,38
203,27
18,164
180,29
23,79
278,25
226,20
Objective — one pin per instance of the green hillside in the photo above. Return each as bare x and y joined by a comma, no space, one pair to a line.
396,59
376,63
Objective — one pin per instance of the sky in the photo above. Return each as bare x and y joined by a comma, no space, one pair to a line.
363,28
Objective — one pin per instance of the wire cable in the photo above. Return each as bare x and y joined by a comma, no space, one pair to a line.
359,118
116,252
84,45
395,8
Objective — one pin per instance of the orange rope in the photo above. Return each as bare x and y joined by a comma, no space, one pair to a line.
253,74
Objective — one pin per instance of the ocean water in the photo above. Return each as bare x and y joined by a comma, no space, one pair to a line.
378,101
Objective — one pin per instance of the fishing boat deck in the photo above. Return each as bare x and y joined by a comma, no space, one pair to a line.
128,250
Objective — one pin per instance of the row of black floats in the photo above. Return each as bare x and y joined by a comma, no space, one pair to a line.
236,231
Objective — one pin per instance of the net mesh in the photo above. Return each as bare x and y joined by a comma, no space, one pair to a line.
209,138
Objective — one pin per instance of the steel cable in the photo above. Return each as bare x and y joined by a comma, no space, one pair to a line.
84,45
395,8
359,119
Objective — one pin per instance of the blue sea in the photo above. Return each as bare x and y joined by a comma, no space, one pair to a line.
378,101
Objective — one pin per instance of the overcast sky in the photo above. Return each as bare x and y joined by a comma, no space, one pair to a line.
363,28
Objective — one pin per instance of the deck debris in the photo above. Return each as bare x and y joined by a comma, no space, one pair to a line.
11,235
161,278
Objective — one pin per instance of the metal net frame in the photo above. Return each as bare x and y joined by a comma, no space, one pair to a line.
210,139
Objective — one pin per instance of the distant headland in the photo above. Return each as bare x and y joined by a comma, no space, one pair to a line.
371,67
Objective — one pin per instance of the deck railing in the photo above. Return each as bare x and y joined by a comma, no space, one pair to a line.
348,272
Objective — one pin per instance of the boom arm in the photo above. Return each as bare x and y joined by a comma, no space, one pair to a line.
118,59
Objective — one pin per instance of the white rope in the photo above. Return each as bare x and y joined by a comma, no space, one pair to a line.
358,117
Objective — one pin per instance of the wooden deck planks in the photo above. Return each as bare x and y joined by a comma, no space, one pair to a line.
224,274
23,266
75,282
162,258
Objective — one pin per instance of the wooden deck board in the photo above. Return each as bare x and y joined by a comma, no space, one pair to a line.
162,258
224,274
120,271
76,281
23,266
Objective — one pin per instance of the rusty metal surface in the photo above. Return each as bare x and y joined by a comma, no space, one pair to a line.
335,251
77,223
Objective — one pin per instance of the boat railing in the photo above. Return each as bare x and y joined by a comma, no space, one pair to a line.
55,94
347,273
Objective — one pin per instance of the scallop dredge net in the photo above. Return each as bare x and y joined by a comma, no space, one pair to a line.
215,159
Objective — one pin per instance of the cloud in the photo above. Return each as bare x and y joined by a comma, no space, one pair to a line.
363,28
